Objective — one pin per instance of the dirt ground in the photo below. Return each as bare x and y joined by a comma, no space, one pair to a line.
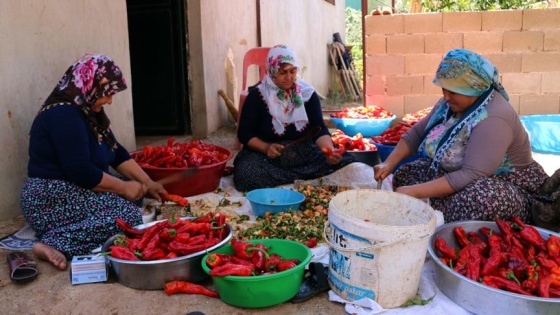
53,293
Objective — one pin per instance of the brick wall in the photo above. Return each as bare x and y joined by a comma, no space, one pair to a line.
403,52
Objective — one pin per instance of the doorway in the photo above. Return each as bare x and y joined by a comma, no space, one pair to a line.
156,32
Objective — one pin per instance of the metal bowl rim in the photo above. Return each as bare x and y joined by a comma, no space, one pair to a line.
163,261
436,260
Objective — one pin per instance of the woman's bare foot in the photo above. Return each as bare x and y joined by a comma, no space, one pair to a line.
50,254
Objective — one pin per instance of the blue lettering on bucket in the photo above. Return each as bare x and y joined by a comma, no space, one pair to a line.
339,235
352,292
340,263
365,255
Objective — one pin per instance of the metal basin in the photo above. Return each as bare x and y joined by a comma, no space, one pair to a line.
151,275
479,298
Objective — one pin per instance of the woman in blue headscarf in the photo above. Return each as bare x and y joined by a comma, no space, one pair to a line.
479,164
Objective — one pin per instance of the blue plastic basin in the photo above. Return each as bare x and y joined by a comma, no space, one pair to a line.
544,132
367,127
274,200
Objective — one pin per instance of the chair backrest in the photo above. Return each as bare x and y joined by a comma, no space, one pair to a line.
254,56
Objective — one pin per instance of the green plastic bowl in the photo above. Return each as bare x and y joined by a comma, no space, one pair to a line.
265,290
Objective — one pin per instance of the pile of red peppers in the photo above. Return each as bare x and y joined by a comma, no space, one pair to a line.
355,143
248,259
363,112
169,238
179,155
516,259
392,135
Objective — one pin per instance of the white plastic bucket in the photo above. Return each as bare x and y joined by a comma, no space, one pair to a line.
378,243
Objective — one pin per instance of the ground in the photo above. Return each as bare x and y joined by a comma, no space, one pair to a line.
52,292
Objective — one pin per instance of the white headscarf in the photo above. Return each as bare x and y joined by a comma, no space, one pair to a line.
283,108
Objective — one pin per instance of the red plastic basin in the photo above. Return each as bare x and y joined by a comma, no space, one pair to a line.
200,180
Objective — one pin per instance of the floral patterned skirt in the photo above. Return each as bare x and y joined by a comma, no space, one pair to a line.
72,219
498,196
305,160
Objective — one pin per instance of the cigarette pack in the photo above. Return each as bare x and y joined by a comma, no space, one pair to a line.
88,269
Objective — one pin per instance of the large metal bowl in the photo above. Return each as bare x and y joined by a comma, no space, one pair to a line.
151,275
476,297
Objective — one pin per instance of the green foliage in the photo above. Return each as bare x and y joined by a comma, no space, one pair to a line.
402,6
354,39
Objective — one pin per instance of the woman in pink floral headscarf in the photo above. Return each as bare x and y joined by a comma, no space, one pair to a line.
280,109
70,197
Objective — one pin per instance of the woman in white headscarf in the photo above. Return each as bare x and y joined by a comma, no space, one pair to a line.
280,109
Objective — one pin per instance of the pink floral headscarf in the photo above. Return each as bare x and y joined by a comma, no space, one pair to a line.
91,77
285,109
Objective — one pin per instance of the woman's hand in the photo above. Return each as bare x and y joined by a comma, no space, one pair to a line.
381,171
154,189
274,150
133,190
333,156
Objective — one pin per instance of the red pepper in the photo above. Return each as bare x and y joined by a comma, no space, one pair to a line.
473,262
553,246
461,236
168,234
285,265
475,239
221,224
207,218
181,201
238,261
149,234
215,259
155,253
258,257
174,222
195,228
492,263
122,252
506,233
171,255
311,243
230,269
240,248
504,284
486,231
544,285
185,249
461,264
182,237
446,250
128,229
187,287
530,235
272,262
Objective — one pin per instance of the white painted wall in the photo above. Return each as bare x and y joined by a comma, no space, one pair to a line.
41,38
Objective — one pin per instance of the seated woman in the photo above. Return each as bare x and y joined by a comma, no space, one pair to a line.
69,197
480,164
280,109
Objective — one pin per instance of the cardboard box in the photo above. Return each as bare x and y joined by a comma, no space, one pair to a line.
88,269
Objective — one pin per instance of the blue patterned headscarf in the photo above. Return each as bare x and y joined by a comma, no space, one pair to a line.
465,72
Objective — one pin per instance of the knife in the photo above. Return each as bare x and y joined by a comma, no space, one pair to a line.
181,175
312,133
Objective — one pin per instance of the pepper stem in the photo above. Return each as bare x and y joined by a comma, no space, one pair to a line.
250,249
